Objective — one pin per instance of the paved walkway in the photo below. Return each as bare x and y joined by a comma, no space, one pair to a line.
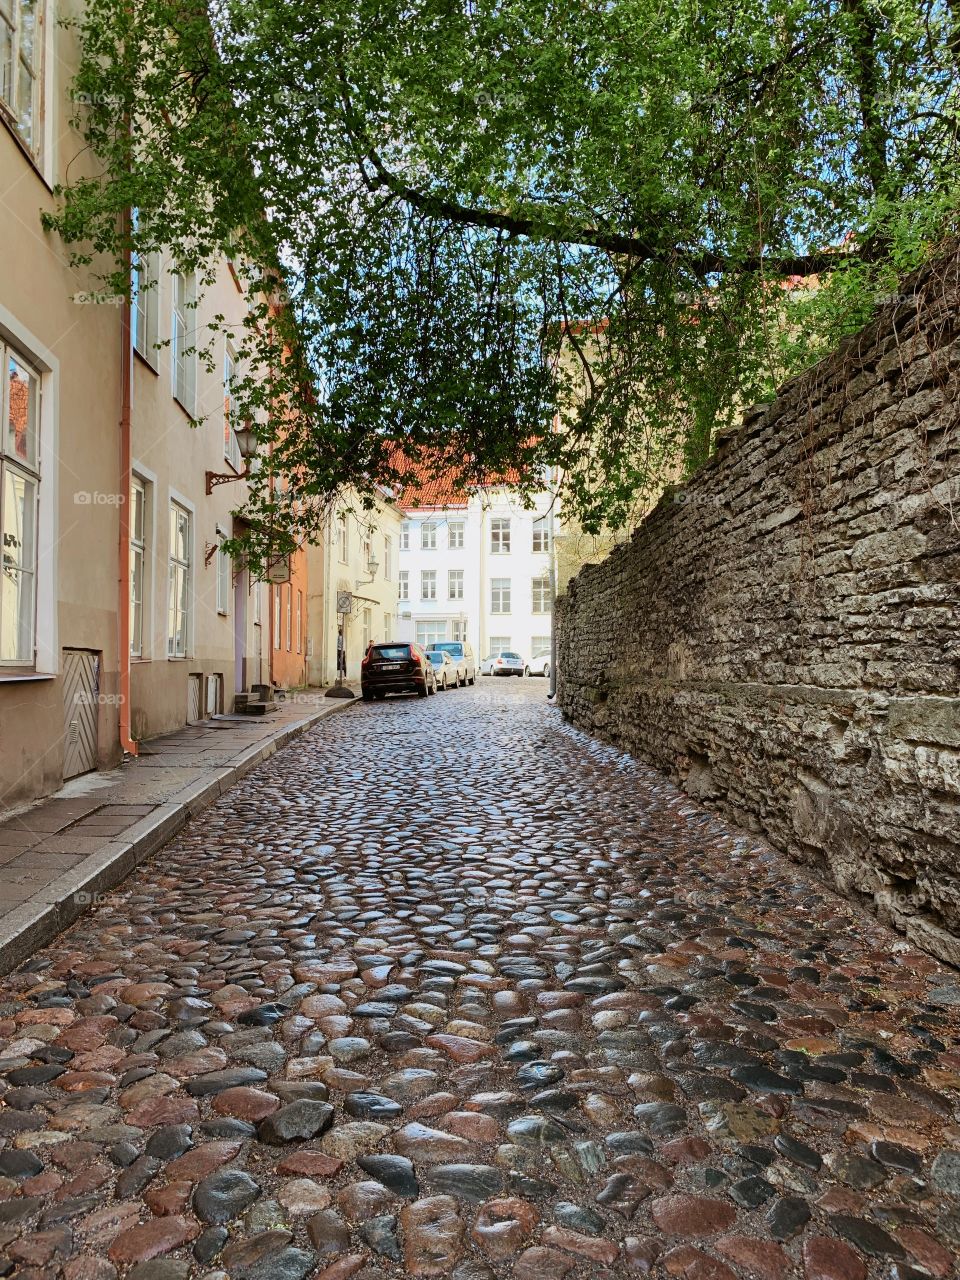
446,989
57,854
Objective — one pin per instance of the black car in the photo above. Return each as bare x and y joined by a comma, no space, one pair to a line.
396,667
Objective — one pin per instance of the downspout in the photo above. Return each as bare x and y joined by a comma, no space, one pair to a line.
126,395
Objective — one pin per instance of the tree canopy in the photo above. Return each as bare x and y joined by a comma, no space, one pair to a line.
470,219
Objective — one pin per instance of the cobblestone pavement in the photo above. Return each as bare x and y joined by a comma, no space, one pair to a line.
447,989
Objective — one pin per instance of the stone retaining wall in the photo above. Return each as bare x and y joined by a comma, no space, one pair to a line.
783,636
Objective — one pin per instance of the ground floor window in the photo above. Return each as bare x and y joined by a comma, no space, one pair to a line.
459,629
538,645
499,642
19,488
429,633
180,584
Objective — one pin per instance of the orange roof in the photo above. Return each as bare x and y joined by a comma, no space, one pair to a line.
433,483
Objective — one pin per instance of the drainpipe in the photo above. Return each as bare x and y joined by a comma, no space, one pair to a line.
126,396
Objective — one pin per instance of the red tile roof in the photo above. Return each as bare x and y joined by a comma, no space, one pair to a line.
430,482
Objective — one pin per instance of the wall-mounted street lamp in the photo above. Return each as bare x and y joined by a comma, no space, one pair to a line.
373,564
246,439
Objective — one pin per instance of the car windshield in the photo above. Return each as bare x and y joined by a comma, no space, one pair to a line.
391,652
455,649
515,657
435,657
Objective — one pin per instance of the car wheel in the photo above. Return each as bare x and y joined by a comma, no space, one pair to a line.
367,695
422,693
471,679
526,671
443,684
546,670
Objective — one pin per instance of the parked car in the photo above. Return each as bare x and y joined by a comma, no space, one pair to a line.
445,670
460,651
505,662
396,667
539,664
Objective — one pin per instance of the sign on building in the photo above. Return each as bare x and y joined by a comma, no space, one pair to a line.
344,601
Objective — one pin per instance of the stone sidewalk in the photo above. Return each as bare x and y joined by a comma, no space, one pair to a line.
61,853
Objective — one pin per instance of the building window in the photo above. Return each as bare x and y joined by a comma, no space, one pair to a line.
299,622
387,558
428,584
231,447
431,632
367,617
500,536
455,584
499,595
138,557
342,537
403,584
289,618
178,612
145,272
455,535
276,617
257,590
538,645
387,626
405,536
459,629
19,486
21,61
499,642
428,535
183,355
541,534
540,593
224,576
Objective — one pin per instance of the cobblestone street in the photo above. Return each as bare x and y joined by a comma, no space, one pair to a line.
447,989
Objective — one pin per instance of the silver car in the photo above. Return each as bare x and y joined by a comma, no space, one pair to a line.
505,662
539,664
445,669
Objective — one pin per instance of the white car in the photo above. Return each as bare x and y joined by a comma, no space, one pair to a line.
446,670
505,662
539,665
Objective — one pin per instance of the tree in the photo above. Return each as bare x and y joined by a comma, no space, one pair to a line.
483,213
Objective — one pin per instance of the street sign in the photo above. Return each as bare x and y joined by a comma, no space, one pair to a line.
278,571
344,601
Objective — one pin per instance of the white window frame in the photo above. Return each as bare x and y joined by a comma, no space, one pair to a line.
500,536
428,535
27,120
540,594
367,621
183,355
428,579
432,631
224,576
497,643
277,618
299,621
403,584
540,540
178,567
19,578
231,446
455,534
539,644
145,309
138,559
455,584
289,617
459,629
500,595
405,536
343,537
387,558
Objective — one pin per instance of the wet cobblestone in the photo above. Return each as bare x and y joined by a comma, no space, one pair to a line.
447,989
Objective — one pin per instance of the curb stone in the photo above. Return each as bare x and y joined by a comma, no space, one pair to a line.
58,904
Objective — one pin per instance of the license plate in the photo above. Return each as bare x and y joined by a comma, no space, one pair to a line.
391,666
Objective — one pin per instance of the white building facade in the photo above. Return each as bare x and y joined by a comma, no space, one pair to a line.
477,569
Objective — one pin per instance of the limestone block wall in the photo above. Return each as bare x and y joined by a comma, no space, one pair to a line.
782,636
